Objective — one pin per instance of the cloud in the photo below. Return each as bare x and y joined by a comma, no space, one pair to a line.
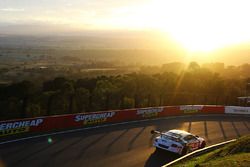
11,10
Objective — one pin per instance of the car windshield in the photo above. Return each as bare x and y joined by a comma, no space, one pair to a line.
172,136
189,137
176,135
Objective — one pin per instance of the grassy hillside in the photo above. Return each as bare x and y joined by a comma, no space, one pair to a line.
234,154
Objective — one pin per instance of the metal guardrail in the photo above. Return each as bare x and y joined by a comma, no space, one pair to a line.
199,152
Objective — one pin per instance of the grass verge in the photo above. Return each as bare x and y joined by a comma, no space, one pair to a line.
231,155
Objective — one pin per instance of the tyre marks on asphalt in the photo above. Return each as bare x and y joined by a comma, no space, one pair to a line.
120,144
79,151
136,136
113,141
222,130
51,161
206,132
230,131
246,125
29,152
241,128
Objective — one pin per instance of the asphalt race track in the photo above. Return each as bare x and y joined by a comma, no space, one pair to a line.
125,145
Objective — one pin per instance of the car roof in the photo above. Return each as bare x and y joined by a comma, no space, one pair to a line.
179,132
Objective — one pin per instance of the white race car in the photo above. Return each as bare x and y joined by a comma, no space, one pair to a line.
178,141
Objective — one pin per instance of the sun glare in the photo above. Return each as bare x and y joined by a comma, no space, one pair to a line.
204,25
198,25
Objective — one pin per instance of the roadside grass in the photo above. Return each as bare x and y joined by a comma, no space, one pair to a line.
233,154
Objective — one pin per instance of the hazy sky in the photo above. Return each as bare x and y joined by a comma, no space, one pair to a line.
83,14
196,24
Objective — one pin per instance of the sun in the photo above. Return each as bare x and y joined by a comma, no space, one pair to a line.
197,25
205,25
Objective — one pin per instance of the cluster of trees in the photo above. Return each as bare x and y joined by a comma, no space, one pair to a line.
194,85
235,72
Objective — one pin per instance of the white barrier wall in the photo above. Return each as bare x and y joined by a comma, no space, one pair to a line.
237,110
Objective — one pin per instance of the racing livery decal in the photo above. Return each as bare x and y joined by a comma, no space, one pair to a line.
149,112
10,128
189,109
91,119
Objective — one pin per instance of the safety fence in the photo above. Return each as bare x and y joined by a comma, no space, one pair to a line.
81,120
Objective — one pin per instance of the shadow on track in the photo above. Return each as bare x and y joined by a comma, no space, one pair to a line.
159,158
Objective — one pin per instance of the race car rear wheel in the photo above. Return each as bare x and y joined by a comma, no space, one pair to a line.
203,144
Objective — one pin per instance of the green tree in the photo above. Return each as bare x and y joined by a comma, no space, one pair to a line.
82,99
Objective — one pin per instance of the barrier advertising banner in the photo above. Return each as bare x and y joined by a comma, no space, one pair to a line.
52,123
237,110
19,126
191,109
149,112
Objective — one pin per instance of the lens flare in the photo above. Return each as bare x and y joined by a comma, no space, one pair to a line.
50,141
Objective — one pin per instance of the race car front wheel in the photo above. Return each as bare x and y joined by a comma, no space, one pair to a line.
184,151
